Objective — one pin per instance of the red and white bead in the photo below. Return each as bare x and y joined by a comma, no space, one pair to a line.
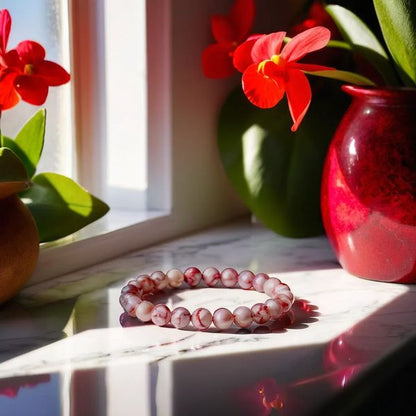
222,318
160,315
260,313
144,311
229,277
211,276
243,316
180,317
129,303
159,278
147,285
175,278
258,282
201,318
245,279
192,276
275,308
134,298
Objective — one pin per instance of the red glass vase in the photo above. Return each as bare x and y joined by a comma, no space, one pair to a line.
368,198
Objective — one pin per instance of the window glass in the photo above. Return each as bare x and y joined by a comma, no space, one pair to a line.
125,92
46,22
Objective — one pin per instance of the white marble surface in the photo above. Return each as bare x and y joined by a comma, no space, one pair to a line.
64,337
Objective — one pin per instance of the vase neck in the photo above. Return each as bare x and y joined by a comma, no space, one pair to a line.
383,95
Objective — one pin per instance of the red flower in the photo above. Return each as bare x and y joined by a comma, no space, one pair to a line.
317,16
38,74
270,71
228,31
24,72
8,95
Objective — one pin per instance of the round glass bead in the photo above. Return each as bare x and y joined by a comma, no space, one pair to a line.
144,311
222,318
129,303
229,277
201,318
160,315
147,285
180,317
243,316
275,308
192,276
258,282
245,279
211,276
175,278
260,313
160,280
271,287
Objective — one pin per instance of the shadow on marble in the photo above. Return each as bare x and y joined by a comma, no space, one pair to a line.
24,329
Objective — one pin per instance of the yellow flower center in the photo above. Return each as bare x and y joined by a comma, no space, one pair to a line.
276,59
260,67
29,69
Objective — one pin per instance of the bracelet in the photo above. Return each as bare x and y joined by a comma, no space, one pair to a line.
135,296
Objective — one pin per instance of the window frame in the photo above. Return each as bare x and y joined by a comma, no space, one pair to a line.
188,188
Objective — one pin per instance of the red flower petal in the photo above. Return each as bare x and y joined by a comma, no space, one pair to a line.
267,46
308,41
262,91
5,25
217,61
12,60
242,18
30,52
52,73
32,89
8,95
222,29
299,95
242,55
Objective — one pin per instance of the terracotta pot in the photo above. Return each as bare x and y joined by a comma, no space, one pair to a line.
368,197
19,246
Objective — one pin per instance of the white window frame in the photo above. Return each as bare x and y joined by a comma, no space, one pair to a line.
188,187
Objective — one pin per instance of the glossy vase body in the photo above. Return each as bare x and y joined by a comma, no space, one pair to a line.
368,198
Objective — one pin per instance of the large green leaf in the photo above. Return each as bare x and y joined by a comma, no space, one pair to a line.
363,41
397,19
277,173
28,144
345,76
60,206
13,175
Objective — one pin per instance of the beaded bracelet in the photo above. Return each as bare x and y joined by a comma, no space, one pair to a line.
135,296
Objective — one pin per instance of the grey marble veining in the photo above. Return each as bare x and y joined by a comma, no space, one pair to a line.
70,327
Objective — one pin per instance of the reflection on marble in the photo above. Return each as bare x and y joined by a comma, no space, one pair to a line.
340,325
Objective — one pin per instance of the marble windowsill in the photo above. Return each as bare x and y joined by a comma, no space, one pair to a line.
62,338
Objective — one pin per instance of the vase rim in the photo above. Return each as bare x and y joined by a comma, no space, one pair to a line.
401,94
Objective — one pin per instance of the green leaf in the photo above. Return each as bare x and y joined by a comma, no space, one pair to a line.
346,76
60,206
277,173
13,175
363,41
28,144
397,20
